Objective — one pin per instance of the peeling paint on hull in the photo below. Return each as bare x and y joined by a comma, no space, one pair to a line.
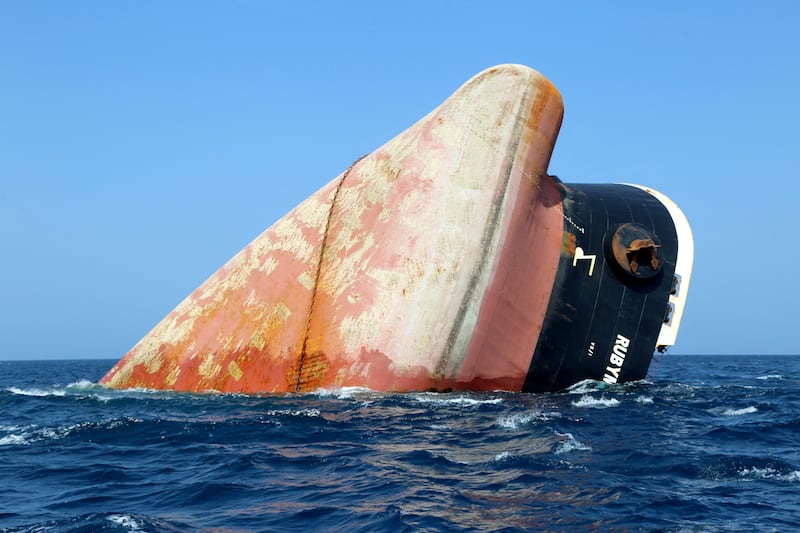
429,264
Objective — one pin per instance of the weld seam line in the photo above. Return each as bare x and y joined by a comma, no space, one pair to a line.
322,248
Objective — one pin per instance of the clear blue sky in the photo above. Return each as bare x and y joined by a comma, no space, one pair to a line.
142,144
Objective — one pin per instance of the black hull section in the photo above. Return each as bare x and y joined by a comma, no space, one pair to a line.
611,293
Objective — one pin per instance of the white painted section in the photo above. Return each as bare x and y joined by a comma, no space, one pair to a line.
683,267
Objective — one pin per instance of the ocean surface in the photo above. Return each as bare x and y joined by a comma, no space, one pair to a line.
710,443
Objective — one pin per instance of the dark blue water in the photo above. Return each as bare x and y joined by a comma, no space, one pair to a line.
711,443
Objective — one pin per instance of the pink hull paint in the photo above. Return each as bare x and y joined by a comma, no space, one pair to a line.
427,265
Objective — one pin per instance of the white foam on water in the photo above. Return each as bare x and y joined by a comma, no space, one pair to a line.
30,434
569,443
793,476
343,393
13,439
36,392
440,399
595,403
125,521
113,424
15,436
586,386
312,413
84,384
770,473
518,420
644,399
502,456
770,376
34,433
740,412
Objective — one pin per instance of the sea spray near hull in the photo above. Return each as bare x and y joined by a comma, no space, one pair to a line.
430,263
436,462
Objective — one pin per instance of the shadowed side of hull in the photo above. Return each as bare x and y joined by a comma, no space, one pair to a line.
428,264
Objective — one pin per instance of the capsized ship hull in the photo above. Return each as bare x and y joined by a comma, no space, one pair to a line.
446,259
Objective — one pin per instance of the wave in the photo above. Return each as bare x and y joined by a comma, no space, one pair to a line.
446,399
739,412
125,521
363,460
503,456
598,403
80,385
84,389
81,389
751,468
36,392
770,473
109,522
587,386
33,433
569,443
518,420
343,393
310,412
12,439
21,436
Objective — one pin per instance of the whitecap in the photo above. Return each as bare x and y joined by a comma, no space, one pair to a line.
502,456
440,399
13,439
569,443
770,376
80,385
794,476
84,384
586,386
644,399
739,412
515,421
35,392
115,423
770,473
602,403
30,434
311,413
124,521
343,393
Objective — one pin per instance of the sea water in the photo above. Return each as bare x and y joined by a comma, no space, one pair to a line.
710,443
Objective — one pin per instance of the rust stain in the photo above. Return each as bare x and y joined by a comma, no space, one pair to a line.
569,243
314,373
